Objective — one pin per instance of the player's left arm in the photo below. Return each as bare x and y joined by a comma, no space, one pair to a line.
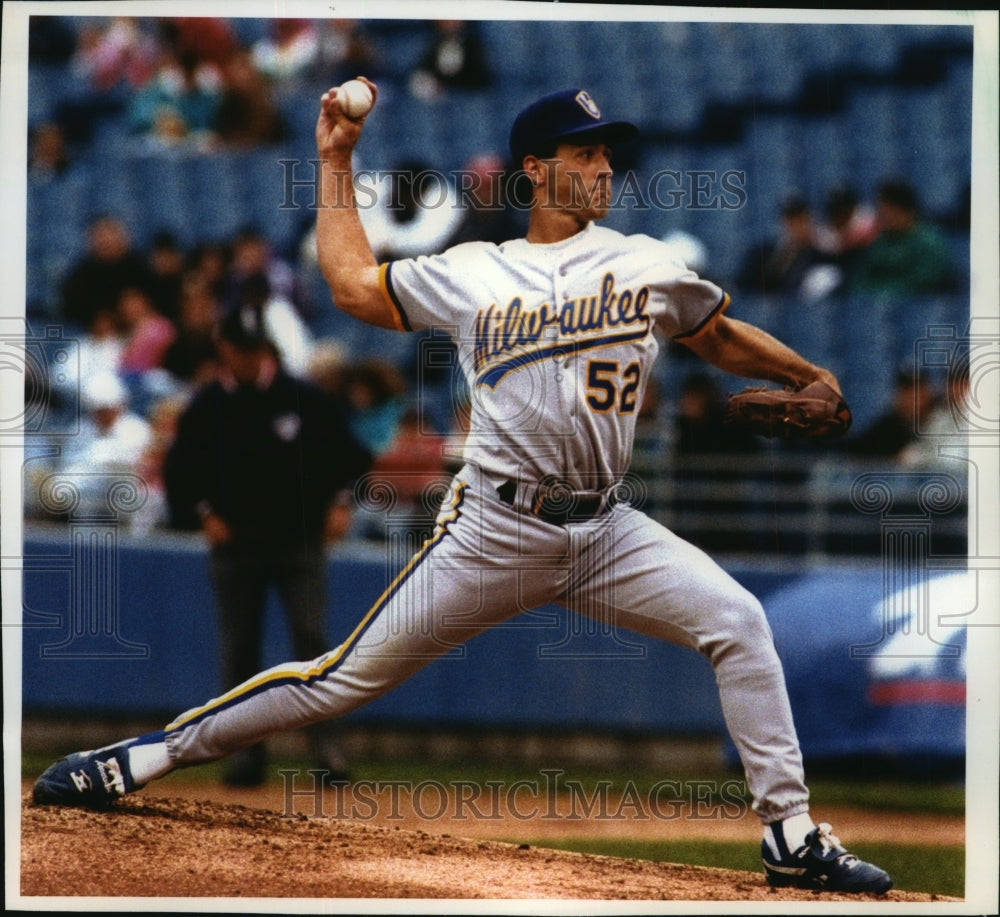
745,350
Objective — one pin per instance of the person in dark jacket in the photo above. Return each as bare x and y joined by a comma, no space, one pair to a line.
96,281
263,463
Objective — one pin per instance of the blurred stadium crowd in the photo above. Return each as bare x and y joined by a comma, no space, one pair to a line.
168,181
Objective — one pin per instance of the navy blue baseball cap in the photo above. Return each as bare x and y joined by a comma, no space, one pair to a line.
571,116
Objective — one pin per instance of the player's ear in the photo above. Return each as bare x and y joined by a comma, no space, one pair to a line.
533,167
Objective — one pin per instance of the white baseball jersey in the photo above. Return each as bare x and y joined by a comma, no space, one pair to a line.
556,342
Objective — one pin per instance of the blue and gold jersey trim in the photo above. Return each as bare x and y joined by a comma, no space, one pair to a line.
721,307
392,300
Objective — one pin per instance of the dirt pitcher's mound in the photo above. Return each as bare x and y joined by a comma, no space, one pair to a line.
155,847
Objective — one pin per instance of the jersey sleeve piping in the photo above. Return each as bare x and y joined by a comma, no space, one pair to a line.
721,307
392,300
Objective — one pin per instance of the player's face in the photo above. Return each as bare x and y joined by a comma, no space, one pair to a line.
578,180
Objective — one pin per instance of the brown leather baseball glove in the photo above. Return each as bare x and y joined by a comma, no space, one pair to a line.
816,411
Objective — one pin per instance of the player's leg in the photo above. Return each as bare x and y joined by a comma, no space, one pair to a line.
659,585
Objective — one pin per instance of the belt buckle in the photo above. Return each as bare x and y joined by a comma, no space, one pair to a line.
557,503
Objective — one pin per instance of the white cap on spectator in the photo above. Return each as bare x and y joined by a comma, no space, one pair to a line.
104,390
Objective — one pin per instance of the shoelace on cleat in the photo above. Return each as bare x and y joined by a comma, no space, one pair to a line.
828,840
831,843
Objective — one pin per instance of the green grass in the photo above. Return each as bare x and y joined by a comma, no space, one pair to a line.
897,796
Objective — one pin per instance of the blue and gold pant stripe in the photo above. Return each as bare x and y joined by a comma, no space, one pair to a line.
278,677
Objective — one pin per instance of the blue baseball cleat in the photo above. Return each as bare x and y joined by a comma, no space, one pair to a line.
94,779
821,863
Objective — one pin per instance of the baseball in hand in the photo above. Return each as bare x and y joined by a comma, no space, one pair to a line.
355,99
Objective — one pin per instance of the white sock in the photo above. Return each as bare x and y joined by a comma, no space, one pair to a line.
794,829
147,762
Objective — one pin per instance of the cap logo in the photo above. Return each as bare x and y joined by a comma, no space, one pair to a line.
585,102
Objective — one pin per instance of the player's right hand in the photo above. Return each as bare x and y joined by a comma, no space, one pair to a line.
335,132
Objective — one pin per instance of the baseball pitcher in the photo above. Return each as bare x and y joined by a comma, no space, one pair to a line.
557,333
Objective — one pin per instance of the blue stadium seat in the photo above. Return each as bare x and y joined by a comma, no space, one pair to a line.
56,219
679,112
873,122
777,70
614,44
811,328
327,321
46,89
940,175
216,196
772,153
724,61
512,48
426,135
826,46
876,48
561,50
401,44
63,204
162,187
958,89
261,183
110,140
671,95
867,391
442,133
926,113
248,30
826,148
299,107
873,114
121,196
867,343
652,74
917,319
478,127
944,109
